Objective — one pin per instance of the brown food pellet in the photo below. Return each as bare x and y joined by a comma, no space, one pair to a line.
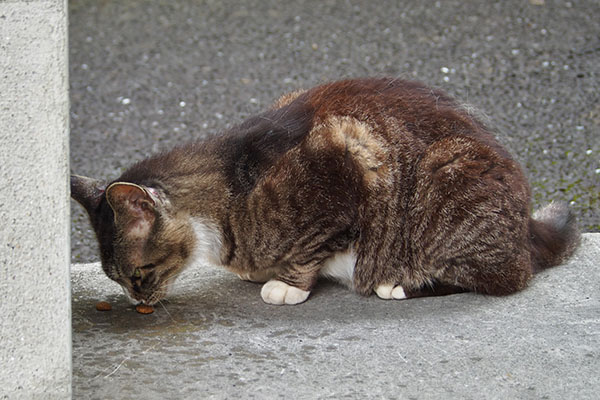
103,306
144,309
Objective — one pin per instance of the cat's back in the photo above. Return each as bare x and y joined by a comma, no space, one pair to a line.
381,116
370,98
397,109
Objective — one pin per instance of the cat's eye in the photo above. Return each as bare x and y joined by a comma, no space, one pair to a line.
137,273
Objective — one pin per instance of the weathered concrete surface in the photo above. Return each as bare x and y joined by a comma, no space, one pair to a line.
35,318
215,338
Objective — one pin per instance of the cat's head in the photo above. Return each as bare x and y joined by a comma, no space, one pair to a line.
144,244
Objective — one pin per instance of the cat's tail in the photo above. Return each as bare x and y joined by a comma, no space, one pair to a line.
554,236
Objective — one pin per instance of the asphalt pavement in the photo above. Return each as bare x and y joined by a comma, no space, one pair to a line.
146,76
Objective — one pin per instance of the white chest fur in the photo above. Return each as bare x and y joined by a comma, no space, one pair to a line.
208,242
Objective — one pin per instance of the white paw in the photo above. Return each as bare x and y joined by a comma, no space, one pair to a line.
398,293
277,292
390,292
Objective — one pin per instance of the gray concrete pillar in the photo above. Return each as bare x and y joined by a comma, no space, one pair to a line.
35,308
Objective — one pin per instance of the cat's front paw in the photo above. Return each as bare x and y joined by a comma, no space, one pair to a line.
390,292
277,292
257,276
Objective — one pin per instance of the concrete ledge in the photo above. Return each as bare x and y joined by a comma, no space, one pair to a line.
215,338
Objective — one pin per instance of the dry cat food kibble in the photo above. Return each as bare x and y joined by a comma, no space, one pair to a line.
103,306
144,309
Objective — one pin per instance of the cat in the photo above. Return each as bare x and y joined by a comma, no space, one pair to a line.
382,184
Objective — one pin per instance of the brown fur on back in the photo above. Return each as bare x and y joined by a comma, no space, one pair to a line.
400,173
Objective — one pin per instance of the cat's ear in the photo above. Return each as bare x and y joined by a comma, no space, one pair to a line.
87,192
133,206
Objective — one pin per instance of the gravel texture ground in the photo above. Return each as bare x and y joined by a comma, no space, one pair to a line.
146,76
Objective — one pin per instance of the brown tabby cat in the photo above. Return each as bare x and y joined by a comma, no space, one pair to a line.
385,185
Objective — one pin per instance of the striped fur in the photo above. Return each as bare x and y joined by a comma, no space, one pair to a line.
397,175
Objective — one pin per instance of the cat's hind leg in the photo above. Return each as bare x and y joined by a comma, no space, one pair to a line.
493,277
470,208
397,292
388,292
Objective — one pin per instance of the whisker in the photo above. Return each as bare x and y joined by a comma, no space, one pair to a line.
165,308
170,278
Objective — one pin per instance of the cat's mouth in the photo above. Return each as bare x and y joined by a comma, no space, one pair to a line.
148,298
